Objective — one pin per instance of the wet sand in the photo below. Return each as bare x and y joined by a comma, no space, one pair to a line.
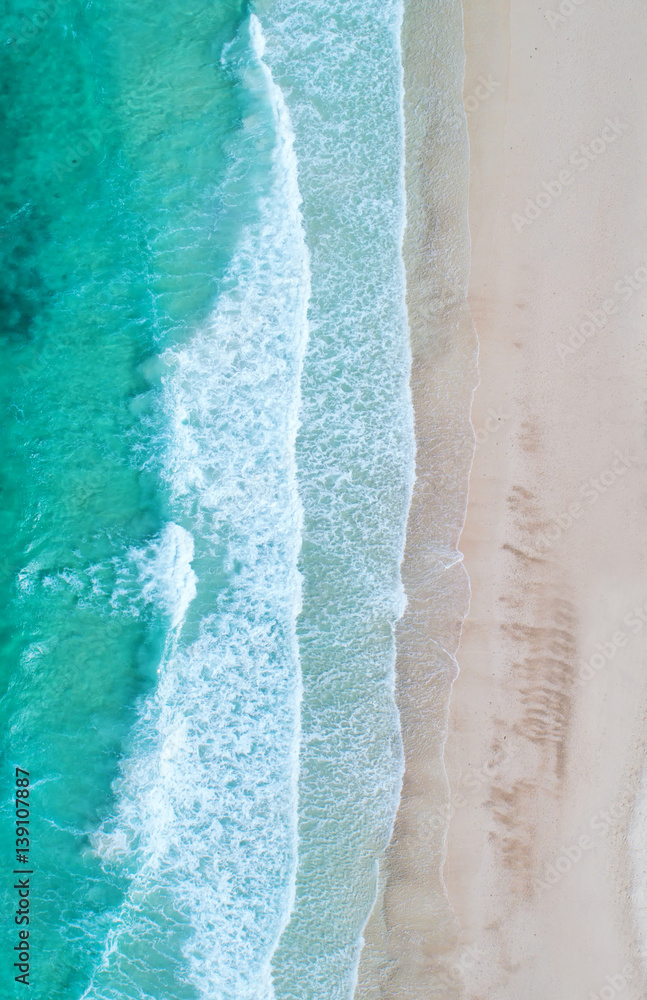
412,932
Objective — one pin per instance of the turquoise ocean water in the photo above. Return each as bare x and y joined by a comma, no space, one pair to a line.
205,469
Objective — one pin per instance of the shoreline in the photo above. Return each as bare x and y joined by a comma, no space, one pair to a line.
412,932
546,724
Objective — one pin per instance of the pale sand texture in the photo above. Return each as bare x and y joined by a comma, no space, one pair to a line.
540,748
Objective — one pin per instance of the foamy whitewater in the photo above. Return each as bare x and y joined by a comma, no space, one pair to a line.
208,797
215,623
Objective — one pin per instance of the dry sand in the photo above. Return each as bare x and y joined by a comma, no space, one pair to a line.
548,714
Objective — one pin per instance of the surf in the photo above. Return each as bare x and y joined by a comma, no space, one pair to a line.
207,798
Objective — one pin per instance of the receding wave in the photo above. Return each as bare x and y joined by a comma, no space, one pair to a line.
338,62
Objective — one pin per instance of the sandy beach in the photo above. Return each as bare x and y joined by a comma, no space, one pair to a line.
518,863
547,717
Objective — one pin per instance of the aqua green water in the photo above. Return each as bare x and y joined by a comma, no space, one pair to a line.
205,469
116,122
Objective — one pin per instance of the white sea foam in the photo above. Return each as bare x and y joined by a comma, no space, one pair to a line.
340,61
206,820
206,817
165,573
